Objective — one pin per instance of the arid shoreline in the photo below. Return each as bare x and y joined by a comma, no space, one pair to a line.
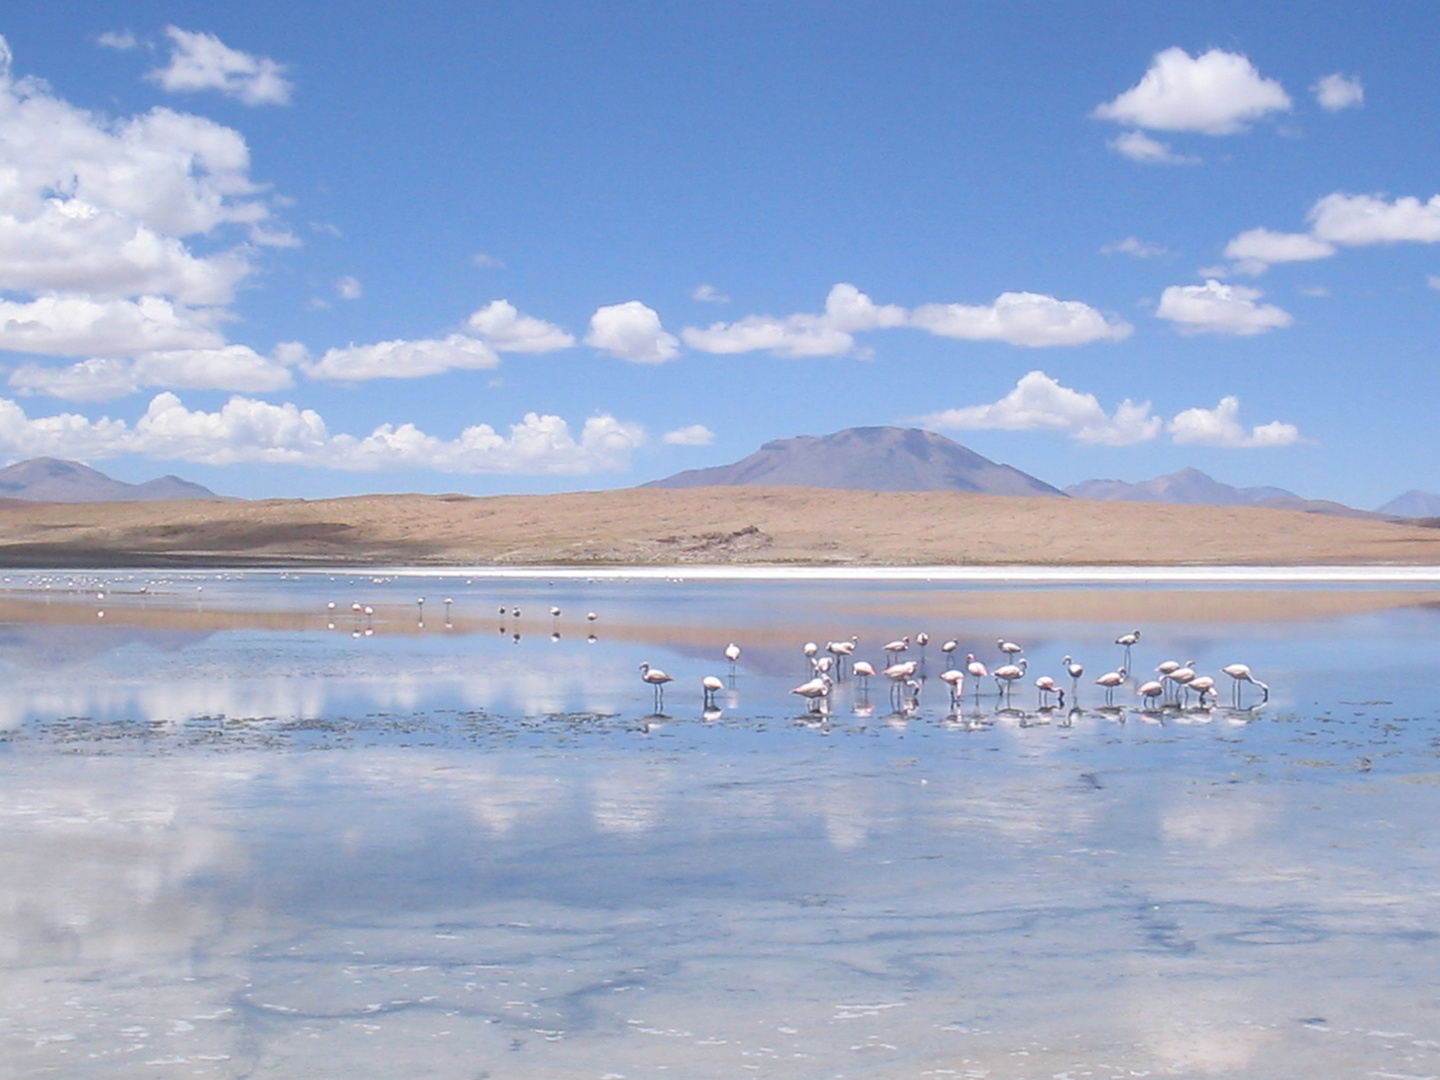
717,526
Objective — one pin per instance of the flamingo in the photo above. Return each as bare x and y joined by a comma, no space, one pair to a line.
656,678
1150,691
894,648
922,639
814,691
949,647
1110,680
1241,673
712,686
1181,676
1074,670
840,650
1008,648
590,616
900,674
976,670
1202,685
1128,640
1046,686
956,681
1009,673
810,650
862,670
732,653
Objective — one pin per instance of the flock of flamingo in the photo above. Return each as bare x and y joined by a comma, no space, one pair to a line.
1172,687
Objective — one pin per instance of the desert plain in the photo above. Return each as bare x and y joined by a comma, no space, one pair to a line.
756,526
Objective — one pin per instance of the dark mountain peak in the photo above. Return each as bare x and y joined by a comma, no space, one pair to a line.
867,459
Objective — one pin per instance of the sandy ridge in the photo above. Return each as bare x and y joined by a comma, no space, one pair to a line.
722,526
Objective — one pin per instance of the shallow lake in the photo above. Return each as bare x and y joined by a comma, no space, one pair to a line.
245,834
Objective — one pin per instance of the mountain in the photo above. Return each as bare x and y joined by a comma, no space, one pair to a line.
54,480
1191,487
1413,504
867,459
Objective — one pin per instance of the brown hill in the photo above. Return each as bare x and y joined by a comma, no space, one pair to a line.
733,525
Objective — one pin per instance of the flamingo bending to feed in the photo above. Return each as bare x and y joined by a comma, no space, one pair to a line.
656,678
1150,692
815,691
1046,686
712,686
1202,685
956,681
1241,673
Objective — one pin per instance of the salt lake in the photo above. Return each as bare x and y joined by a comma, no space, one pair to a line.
244,834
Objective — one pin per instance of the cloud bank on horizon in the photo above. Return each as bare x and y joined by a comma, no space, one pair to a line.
156,266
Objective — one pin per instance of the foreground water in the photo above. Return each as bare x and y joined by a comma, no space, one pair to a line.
238,842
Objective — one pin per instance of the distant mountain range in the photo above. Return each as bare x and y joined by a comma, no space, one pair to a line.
54,480
909,459
867,459
1191,487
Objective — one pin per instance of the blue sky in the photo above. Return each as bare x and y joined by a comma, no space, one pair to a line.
510,247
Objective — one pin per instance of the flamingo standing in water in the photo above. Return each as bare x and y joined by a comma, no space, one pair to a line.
1128,640
1150,692
656,678
956,681
893,650
1202,685
1008,649
976,670
815,692
1110,680
1074,670
1006,675
1241,673
840,650
1045,686
900,674
862,670
732,653
712,686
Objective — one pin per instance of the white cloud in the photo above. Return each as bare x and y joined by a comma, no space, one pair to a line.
486,262
1137,146
1354,220
1258,249
246,430
694,435
1216,93
1221,426
1337,92
631,331
1132,245
847,311
1031,319
119,40
200,61
1217,308
1040,403
1433,281
349,288
403,359
504,329
230,367
77,326
709,294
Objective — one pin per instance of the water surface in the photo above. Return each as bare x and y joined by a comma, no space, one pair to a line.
239,842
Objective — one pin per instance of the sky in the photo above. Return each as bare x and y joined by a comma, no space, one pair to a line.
326,249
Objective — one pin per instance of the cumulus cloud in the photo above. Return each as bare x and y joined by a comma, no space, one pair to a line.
1137,146
1221,426
1021,318
200,61
847,311
1336,92
1132,245
247,430
1040,403
1216,93
1257,250
708,294
56,325
694,435
229,367
403,359
1216,308
505,329
1355,220
349,288
631,331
